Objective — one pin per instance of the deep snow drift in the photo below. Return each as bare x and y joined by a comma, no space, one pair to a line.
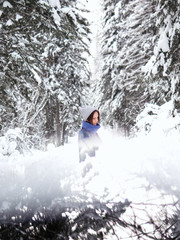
121,169
143,171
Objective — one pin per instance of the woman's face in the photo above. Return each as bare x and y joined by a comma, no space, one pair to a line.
95,118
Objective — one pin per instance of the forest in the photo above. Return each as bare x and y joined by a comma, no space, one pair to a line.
48,71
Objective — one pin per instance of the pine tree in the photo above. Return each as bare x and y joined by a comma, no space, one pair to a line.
69,72
22,63
127,34
162,70
43,67
139,65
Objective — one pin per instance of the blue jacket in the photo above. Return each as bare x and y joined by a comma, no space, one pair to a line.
88,140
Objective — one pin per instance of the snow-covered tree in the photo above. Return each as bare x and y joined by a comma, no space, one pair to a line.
21,63
44,67
67,59
138,44
162,69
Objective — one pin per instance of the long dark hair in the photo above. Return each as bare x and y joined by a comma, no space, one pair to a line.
89,119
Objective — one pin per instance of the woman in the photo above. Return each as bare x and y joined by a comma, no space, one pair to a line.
89,140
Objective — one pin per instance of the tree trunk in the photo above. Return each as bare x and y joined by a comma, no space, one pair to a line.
64,134
58,128
49,128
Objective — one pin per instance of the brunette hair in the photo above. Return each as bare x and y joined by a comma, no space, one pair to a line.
89,119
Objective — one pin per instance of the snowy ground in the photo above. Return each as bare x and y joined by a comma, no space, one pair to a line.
115,173
139,169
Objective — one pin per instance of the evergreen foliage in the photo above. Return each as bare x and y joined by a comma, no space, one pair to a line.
140,50
44,68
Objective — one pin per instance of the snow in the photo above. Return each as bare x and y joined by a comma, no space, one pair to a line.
7,4
115,171
161,47
8,144
121,166
69,11
36,76
9,23
18,17
155,120
56,6
121,170
163,43
57,18
55,3
15,55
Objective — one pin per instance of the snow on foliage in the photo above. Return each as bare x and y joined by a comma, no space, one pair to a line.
18,16
55,3
10,144
9,23
36,76
166,35
140,58
7,4
158,120
69,11
46,74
